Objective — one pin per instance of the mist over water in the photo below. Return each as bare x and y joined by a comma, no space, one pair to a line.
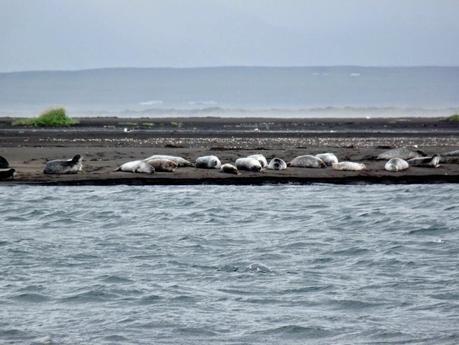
236,91
290,264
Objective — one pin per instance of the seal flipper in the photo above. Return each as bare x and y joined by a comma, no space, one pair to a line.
4,163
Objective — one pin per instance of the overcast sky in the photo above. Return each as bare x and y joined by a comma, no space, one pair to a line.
77,34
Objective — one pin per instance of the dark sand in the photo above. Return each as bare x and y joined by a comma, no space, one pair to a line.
105,145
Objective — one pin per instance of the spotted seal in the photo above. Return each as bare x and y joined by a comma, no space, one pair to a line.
61,166
277,164
163,165
349,166
181,162
208,162
229,169
307,161
249,164
139,166
396,164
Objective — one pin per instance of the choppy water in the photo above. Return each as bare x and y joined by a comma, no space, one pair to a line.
318,264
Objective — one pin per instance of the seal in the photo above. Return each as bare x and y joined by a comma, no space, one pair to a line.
307,161
349,166
259,157
451,157
6,173
181,162
208,162
396,164
60,166
249,164
164,165
277,164
229,169
138,166
328,158
4,163
402,152
428,162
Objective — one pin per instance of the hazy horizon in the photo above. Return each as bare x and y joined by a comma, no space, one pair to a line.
231,91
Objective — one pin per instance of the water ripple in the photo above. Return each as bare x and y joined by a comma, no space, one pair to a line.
288,264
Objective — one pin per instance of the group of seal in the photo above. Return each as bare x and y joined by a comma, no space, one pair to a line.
402,158
399,159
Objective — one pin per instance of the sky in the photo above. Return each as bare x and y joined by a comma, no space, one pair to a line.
82,34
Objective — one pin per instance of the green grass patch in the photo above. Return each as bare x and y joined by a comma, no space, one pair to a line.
52,118
453,118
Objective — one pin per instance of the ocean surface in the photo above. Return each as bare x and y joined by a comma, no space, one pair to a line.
275,264
235,91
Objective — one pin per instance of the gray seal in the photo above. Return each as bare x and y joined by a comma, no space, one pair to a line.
402,152
69,166
307,161
277,164
208,162
451,157
428,162
396,164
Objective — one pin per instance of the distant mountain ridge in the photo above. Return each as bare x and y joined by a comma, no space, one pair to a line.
120,90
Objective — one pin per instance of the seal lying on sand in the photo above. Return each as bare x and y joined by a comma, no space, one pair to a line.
4,163
5,170
164,165
307,161
396,164
451,157
402,152
7,173
249,164
137,167
429,162
259,157
229,169
208,162
60,166
181,162
277,164
328,158
349,166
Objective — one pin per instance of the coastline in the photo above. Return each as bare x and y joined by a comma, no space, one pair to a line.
105,143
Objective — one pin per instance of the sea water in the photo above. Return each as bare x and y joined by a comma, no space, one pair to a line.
275,264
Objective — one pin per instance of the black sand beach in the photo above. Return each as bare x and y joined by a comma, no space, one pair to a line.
105,143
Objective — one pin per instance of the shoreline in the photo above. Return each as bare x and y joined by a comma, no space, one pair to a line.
106,145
